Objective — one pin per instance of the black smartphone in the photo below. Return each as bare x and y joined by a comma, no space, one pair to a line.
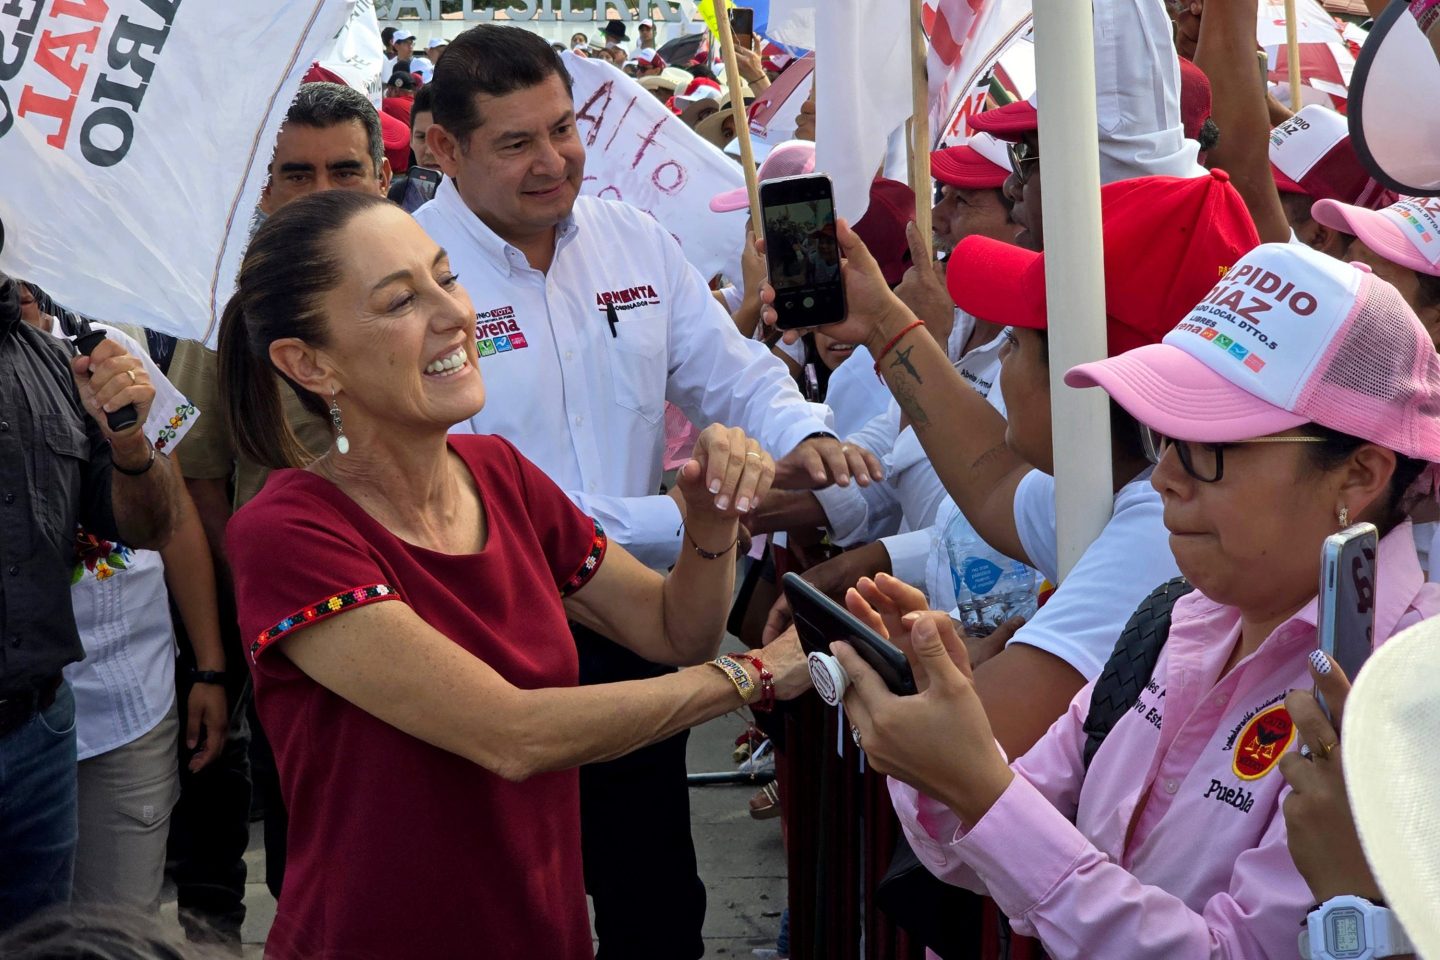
802,250
1346,621
821,621
742,27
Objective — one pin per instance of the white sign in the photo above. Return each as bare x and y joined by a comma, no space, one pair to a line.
639,152
135,137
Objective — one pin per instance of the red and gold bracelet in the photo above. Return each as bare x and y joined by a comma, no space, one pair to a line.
891,345
767,682
737,675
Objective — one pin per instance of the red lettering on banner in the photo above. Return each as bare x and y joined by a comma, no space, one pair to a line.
620,123
677,180
647,140
64,68
584,114
93,10
61,109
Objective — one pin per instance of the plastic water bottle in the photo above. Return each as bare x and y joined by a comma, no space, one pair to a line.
990,587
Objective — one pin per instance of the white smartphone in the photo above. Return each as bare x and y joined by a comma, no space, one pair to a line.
1346,622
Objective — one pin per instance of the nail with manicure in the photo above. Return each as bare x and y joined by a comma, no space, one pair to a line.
1319,662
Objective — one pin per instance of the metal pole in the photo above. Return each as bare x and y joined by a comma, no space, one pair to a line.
1292,47
1074,270
737,108
919,124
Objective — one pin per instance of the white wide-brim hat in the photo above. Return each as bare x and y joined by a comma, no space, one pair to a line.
1392,773
1395,137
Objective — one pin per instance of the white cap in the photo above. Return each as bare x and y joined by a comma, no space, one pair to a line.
647,22
645,54
436,42
401,36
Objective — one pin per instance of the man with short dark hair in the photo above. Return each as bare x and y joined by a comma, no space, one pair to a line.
331,140
590,319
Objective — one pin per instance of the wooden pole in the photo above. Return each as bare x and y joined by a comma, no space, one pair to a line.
920,125
737,107
1292,47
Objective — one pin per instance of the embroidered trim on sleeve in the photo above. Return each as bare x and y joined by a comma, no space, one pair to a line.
587,569
319,611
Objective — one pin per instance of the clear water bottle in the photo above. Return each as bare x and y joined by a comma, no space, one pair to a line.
990,587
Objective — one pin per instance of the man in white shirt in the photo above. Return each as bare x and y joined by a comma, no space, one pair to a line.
589,319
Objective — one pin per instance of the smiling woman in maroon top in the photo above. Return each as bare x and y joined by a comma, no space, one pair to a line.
406,598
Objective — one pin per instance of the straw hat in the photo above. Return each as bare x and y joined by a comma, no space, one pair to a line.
1392,772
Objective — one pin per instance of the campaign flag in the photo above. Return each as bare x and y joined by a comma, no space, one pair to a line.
1326,59
772,115
857,109
792,22
638,152
135,138
967,39
357,53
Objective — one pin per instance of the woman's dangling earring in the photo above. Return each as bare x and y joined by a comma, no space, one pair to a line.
342,442
1344,517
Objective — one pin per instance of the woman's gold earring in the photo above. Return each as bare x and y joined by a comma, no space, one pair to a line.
1344,517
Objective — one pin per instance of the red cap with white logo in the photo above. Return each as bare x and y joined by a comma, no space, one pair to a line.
1290,336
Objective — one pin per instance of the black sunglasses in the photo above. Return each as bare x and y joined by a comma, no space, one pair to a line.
1021,154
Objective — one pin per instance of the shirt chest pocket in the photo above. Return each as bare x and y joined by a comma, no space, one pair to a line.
639,362
59,467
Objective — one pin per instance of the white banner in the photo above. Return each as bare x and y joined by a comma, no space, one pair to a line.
639,152
135,137
357,52
964,47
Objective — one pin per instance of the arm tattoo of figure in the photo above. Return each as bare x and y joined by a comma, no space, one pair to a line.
902,359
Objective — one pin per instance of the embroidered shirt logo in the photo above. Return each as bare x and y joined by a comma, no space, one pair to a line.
497,331
1263,742
630,298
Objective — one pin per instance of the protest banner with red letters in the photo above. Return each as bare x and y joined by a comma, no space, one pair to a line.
638,152
135,137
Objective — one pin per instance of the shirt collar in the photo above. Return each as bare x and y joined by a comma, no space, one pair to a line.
492,245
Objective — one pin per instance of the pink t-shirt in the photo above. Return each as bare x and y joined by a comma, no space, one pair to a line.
1206,872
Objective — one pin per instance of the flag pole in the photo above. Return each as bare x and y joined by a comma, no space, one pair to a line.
1074,271
737,107
1292,47
919,125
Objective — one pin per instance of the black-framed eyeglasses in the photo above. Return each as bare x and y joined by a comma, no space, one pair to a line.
1203,461
1021,154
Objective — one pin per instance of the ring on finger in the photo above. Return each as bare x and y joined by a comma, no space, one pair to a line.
752,453
1325,749
132,376
855,735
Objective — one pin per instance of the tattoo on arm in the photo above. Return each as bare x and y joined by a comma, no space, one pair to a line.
902,359
989,456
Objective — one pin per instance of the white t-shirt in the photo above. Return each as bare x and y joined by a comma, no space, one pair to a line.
126,684
1085,616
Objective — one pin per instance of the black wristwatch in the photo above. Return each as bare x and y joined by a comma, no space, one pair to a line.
207,676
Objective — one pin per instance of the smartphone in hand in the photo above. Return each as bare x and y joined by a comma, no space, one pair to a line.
802,250
1346,621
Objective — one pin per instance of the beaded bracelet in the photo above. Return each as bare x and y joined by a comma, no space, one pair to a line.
706,553
737,675
767,682
891,345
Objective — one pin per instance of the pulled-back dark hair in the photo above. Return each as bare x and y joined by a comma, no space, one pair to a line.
424,102
491,60
322,105
293,261
1338,447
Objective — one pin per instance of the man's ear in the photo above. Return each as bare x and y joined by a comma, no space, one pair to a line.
446,149
387,173
1329,241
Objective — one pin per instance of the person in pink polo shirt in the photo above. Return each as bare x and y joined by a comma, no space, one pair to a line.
1300,396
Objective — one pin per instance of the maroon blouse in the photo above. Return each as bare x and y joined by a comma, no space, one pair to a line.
397,848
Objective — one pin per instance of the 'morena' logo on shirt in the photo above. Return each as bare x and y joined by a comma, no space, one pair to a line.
629,298
497,331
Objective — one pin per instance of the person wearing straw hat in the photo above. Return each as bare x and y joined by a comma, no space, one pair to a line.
1366,842
1299,396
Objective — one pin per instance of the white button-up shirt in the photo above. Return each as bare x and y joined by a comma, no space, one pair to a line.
578,361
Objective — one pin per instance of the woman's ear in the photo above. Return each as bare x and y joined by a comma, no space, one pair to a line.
304,365
1365,480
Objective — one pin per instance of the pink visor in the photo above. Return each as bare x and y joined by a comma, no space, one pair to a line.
1166,389
1385,231
788,159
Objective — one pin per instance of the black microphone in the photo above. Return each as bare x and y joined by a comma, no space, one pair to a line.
86,342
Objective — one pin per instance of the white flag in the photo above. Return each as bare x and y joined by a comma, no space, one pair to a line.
135,137
863,92
357,52
967,38
639,152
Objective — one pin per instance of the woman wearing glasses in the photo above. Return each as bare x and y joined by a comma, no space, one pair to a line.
1300,396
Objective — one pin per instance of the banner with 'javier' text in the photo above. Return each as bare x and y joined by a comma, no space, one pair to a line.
134,141
638,152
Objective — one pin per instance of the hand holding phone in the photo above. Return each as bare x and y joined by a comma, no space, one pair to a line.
742,27
802,251
821,621
1346,620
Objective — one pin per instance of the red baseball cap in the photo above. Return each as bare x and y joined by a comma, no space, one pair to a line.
980,163
1311,153
1195,100
397,142
882,229
1009,122
1167,240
